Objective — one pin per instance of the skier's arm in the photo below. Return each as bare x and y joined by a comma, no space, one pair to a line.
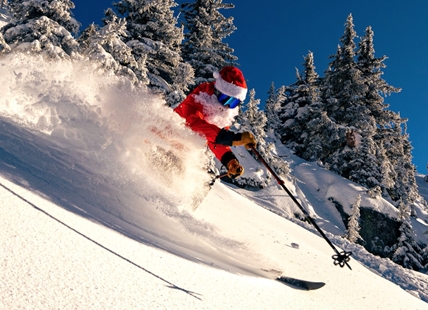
218,140
197,123
195,120
227,137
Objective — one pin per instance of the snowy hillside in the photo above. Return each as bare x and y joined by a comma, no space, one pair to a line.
98,185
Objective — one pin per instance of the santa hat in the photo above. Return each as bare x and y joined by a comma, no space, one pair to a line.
230,81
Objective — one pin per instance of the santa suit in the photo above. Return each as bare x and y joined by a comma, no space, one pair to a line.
206,115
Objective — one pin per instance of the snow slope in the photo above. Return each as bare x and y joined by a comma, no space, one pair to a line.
85,265
95,216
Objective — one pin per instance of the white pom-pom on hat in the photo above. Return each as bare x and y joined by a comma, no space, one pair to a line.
230,81
216,74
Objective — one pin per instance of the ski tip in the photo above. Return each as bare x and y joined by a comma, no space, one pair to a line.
300,284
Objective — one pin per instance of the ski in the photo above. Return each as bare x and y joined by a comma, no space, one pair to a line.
301,284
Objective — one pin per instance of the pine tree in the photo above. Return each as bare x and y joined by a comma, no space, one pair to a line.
377,88
407,252
43,26
153,35
362,165
273,107
352,96
106,47
288,128
298,110
323,133
374,105
342,91
342,88
206,28
387,171
56,10
394,149
85,37
254,120
352,233
303,123
397,144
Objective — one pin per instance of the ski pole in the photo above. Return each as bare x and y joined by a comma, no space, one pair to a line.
222,176
340,258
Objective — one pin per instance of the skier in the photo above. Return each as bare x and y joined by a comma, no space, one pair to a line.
210,110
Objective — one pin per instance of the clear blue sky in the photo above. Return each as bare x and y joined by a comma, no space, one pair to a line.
273,37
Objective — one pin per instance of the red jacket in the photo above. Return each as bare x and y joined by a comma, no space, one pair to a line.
193,111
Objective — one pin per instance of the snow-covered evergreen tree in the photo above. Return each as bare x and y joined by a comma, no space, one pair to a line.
43,26
342,88
304,125
274,102
254,120
206,28
407,252
289,128
342,91
298,109
348,128
86,35
322,132
360,164
398,148
353,231
56,10
387,171
153,34
106,47
377,88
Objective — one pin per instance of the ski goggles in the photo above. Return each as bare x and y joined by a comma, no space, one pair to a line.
227,101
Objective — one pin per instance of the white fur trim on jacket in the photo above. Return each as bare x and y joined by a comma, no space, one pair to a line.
214,112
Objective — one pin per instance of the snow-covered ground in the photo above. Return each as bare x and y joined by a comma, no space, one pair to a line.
96,216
